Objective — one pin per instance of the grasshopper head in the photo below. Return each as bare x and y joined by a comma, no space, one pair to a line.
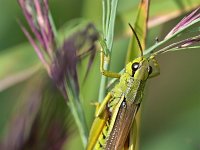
139,68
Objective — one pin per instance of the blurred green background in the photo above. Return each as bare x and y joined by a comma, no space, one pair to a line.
171,108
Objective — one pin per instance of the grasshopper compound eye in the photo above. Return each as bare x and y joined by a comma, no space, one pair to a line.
150,70
135,66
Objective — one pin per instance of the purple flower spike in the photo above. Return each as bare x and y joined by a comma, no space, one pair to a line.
184,22
190,41
36,13
36,47
64,64
60,62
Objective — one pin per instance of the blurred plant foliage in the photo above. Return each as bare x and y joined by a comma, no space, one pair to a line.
51,109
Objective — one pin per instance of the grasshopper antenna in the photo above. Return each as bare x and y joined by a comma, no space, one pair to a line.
138,41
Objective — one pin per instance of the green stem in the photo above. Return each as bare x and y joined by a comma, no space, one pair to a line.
109,15
103,84
77,112
156,46
79,119
53,26
103,18
174,45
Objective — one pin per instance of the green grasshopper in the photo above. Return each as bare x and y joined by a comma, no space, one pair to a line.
115,115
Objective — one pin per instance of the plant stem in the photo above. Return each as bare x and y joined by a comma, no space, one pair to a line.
103,84
109,15
152,48
77,112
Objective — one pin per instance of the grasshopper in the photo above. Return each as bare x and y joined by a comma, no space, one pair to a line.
115,115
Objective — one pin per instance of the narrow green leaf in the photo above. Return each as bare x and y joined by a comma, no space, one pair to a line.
141,30
110,34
